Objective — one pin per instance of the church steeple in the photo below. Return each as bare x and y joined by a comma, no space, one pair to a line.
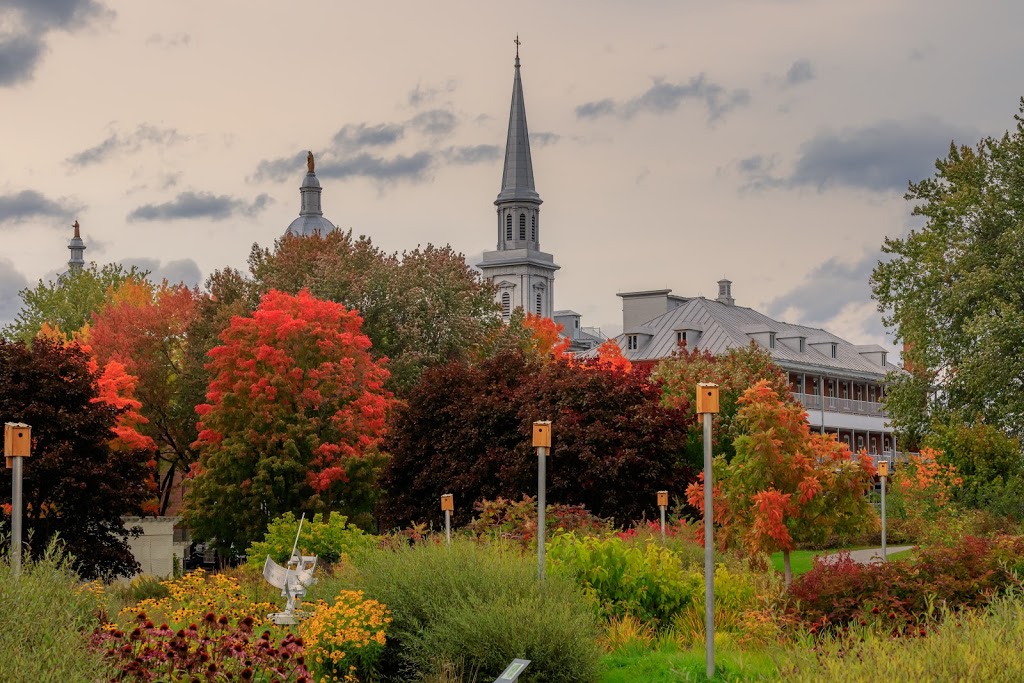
517,179
523,275
77,247
311,217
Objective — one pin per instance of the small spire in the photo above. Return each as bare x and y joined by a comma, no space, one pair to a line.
77,248
517,178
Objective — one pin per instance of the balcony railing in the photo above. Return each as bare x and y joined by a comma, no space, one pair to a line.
841,405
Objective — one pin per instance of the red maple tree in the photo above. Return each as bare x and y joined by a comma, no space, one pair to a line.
296,407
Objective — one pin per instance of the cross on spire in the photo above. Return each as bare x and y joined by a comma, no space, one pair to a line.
516,41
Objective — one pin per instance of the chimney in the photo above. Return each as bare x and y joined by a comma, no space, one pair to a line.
725,293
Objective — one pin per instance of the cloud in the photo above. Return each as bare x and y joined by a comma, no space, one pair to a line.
11,282
28,23
365,165
544,139
355,137
142,136
665,97
182,270
19,56
881,157
800,72
435,122
473,154
420,95
191,205
29,204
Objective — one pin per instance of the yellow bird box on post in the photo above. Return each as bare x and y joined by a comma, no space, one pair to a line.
707,398
17,441
663,499
883,468
542,434
447,502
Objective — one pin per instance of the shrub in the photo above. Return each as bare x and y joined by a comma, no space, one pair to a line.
196,594
898,596
476,608
517,520
346,638
46,619
211,649
329,541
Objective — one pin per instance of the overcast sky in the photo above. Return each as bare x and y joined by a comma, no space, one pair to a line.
674,143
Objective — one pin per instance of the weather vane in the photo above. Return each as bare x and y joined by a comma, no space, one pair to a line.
516,41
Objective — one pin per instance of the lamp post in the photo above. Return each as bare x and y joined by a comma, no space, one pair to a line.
707,405
17,447
883,473
542,442
447,505
662,504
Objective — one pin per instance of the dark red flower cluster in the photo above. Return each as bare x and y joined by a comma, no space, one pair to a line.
210,651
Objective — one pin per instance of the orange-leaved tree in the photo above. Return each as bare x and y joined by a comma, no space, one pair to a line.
546,338
296,409
785,484
144,328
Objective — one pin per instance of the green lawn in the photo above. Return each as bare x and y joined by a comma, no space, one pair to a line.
801,560
670,665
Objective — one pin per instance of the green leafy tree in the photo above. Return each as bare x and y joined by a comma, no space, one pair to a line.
734,372
86,470
421,308
953,290
329,540
295,411
69,302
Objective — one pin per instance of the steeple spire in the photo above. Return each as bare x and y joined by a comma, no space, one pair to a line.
77,247
517,179
311,216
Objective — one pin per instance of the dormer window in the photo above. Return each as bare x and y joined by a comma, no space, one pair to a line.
771,340
632,342
835,350
803,345
884,355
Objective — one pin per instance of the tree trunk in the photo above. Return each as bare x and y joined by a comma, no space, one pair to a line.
788,573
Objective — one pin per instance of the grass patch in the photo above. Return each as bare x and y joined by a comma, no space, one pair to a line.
669,664
908,554
799,560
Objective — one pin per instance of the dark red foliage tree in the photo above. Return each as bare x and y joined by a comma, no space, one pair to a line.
466,430
75,485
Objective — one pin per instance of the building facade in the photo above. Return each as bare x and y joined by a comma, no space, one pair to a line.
523,275
840,384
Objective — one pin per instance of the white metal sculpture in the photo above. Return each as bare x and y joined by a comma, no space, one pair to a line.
292,579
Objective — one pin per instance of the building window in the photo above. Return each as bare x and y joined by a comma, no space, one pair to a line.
680,338
522,226
631,344
540,303
533,227
506,305
508,226
771,340
803,344
835,350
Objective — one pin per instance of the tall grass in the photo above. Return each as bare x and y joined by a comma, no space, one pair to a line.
46,619
474,608
983,645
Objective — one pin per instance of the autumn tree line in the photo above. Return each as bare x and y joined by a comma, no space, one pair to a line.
335,377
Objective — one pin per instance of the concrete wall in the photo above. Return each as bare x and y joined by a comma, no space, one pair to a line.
155,548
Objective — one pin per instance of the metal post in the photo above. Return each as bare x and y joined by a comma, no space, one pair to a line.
709,552
448,526
662,523
541,508
16,508
884,559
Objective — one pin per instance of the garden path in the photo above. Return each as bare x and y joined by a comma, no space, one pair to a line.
870,555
